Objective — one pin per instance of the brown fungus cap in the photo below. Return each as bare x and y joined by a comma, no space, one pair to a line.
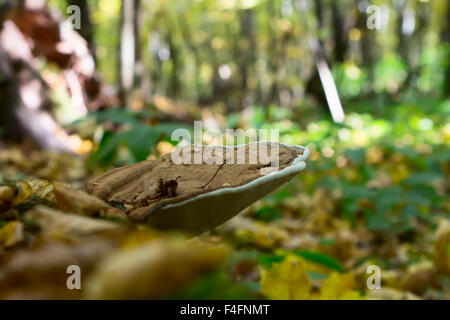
210,185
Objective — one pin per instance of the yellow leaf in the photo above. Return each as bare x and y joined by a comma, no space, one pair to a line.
286,280
78,201
154,269
390,294
23,192
55,223
339,287
6,194
43,189
11,234
442,248
262,236
14,195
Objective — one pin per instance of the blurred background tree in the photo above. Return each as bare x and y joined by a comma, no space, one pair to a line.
237,53
243,52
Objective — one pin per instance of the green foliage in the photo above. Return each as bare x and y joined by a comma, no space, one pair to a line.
216,285
267,214
2,222
267,260
185,42
390,72
320,258
138,138
387,166
412,192
350,80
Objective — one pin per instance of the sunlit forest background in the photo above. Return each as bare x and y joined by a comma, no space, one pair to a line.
75,103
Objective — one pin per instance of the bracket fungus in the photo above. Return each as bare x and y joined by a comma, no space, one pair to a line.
208,186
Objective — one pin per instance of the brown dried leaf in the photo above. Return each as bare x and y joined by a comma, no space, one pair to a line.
57,224
39,272
77,201
442,248
6,195
152,270
390,294
420,277
43,189
13,194
11,234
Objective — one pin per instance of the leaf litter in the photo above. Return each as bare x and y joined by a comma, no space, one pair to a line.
47,223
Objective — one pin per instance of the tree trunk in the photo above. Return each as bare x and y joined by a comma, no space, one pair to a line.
314,85
128,48
271,96
18,119
402,46
368,47
188,39
175,85
340,33
445,38
247,51
87,30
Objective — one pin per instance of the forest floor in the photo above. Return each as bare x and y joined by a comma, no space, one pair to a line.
374,201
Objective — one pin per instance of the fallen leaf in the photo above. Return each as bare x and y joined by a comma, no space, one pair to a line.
40,272
13,194
286,280
420,277
152,270
442,248
6,194
11,234
339,286
58,224
390,294
43,189
78,201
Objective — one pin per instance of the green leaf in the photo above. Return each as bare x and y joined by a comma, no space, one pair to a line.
119,116
327,241
388,198
266,260
356,191
107,149
320,258
421,178
267,214
420,195
140,140
378,222
357,156
215,285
